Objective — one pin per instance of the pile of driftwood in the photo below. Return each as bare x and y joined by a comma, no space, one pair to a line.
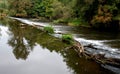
99,58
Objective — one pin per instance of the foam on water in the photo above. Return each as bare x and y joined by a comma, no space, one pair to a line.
30,22
97,44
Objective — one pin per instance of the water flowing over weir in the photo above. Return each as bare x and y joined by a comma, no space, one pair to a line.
102,43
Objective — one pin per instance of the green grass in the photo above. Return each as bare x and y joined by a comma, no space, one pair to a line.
117,17
60,21
67,38
49,29
75,22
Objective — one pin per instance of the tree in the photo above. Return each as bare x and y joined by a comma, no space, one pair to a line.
18,7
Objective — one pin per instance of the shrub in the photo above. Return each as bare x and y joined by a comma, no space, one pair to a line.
49,29
63,21
68,38
75,22
103,17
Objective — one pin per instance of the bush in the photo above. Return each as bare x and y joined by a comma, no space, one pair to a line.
63,21
103,18
75,22
67,38
49,29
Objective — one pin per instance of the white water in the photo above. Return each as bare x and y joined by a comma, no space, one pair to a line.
97,43
30,22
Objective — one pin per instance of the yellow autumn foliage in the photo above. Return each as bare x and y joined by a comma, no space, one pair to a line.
103,16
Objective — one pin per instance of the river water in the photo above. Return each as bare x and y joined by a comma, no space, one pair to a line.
27,50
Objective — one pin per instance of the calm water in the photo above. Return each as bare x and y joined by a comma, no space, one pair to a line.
27,50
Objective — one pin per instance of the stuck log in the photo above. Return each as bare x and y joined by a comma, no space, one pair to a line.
99,58
78,48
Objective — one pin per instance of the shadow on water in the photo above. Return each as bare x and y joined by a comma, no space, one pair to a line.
23,39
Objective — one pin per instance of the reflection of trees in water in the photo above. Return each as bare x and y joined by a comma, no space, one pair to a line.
24,38
4,21
0,32
82,65
21,47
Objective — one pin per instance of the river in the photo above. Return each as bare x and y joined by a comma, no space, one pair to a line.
27,50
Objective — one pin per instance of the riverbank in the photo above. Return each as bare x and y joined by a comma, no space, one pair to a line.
78,23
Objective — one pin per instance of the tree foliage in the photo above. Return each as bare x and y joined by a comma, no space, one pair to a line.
95,12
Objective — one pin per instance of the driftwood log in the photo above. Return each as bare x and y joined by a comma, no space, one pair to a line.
99,58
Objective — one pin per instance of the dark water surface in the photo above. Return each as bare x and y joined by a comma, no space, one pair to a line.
27,50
